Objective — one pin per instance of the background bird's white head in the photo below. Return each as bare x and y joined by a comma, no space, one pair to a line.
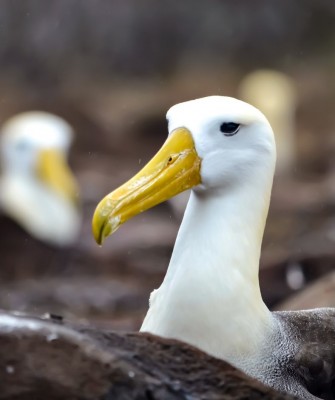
25,135
233,139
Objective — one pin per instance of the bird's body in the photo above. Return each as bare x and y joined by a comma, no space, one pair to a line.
273,93
224,149
304,356
58,213
37,188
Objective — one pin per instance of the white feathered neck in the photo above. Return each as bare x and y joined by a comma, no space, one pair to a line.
210,296
44,214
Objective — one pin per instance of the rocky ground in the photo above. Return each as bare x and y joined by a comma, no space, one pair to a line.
48,358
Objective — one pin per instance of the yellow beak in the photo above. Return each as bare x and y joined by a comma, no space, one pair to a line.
175,168
54,172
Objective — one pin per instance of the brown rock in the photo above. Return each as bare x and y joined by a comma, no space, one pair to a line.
42,359
320,293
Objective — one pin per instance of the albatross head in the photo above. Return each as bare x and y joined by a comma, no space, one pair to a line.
38,188
215,144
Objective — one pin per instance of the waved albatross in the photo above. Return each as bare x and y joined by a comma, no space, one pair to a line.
224,150
37,187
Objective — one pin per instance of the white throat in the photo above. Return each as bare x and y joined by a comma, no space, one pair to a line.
210,296
44,214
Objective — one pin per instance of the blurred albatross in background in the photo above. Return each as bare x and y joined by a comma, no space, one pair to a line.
273,93
224,150
37,187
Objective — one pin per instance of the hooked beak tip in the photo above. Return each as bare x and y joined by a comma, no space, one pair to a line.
98,228
99,239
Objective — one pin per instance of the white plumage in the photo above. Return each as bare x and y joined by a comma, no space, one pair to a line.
37,188
213,273
274,93
210,296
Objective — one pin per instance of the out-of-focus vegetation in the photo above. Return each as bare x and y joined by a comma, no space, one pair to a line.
47,43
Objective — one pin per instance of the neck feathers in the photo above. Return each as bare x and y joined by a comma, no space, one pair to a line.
210,296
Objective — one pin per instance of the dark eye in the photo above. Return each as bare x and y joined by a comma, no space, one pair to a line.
229,128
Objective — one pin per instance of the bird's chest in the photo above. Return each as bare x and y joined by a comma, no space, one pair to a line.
220,319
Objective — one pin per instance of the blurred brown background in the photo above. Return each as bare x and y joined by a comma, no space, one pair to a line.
112,68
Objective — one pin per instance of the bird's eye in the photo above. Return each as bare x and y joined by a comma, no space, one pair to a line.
229,128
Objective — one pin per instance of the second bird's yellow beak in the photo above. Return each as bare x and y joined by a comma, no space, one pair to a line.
53,170
174,169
